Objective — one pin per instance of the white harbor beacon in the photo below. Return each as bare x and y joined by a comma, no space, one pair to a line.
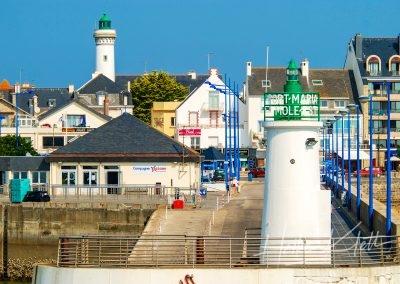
105,37
296,220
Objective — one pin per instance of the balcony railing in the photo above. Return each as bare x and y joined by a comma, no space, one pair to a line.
383,130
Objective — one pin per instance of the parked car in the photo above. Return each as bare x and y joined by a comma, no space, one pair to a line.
257,172
219,175
37,196
365,172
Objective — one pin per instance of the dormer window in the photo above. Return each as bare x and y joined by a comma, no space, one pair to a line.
394,65
374,65
51,103
317,82
266,83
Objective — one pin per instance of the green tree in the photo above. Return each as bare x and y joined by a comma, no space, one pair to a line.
8,146
154,87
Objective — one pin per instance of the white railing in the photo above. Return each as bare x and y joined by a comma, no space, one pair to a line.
209,251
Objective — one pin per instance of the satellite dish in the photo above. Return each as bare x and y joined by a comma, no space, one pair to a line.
37,109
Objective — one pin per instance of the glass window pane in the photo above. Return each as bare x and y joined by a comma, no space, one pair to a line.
43,177
35,177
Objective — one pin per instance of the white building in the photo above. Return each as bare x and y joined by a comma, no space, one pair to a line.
200,119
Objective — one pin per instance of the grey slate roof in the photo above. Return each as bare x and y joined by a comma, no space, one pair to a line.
103,83
100,83
58,107
213,154
337,83
22,163
384,48
61,96
125,138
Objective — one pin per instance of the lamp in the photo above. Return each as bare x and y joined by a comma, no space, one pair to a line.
358,198
311,142
365,99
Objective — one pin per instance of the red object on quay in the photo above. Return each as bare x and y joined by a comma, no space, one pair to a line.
178,204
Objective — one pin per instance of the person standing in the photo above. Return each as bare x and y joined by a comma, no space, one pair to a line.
235,185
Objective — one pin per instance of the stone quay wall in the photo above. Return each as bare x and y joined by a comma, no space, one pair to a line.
44,223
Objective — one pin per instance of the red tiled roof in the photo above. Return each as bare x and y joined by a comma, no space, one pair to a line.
5,86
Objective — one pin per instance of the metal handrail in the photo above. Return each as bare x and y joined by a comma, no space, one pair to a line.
122,192
227,252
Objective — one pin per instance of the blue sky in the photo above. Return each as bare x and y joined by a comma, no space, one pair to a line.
50,42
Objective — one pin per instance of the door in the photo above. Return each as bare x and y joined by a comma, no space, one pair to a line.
112,178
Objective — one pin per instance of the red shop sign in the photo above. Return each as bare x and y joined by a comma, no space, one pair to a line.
190,132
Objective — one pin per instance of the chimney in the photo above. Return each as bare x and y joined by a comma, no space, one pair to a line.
106,105
17,90
398,44
304,66
35,104
358,47
71,89
248,69
192,74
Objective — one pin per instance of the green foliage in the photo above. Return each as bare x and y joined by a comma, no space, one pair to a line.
8,146
154,87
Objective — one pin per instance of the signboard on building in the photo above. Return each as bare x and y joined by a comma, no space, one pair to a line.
189,132
149,169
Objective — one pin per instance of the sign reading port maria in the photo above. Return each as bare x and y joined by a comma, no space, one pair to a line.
292,103
292,106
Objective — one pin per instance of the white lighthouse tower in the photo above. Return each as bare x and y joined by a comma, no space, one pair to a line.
296,220
105,37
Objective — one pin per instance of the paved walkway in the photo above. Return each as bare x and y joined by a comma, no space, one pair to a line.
218,216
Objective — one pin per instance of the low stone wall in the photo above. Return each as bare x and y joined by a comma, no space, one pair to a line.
30,224
44,223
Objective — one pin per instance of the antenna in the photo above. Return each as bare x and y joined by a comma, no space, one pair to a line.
20,75
209,59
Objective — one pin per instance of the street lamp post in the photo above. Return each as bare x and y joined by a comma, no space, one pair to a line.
358,200
368,99
389,170
343,113
337,117
328,124
388,165
348,163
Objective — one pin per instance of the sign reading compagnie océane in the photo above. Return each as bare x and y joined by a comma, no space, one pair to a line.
292,106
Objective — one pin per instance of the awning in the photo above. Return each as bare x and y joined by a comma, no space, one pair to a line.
353,155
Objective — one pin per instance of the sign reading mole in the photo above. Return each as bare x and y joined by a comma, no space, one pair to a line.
291,106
